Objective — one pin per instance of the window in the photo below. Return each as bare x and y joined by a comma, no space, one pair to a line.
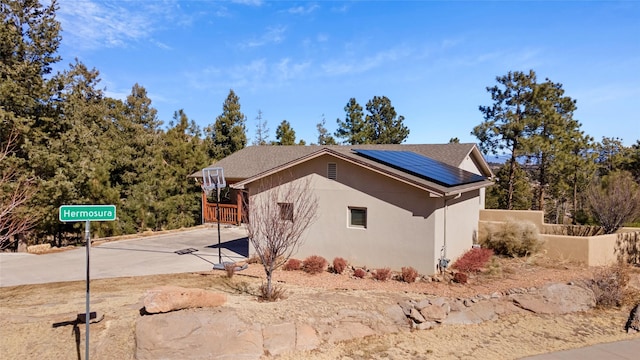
358,217
286,211
332,171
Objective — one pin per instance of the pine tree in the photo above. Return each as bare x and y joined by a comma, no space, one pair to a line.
324,138
507,122
262,131
386,127
228,134
352,129
285,135
183,153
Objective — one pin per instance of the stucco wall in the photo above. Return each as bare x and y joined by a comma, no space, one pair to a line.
590,250
403,222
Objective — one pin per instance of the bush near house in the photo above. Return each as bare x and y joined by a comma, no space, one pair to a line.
339,265
314,264
409,274
292,265
609,285
514,239
383,274
473,261
359,273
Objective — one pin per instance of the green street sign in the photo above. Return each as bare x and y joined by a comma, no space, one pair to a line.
87,213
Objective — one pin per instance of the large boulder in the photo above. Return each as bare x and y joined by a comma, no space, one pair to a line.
556,299
198,334
170,298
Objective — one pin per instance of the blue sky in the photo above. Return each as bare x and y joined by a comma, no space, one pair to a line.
301,60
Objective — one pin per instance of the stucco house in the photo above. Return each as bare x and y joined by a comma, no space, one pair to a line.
378,205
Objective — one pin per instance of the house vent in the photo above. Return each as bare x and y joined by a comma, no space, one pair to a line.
332,171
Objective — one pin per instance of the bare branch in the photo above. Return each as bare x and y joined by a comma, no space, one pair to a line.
15,193
279,213
615,201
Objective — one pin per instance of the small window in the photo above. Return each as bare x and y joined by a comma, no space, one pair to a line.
286,211
358,217
332,171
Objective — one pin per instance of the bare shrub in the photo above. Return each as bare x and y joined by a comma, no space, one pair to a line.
272,293
409,274
473,260
609,285
292,265
339,265
512,238
275,235
615,200
382,274
359,273
230,269
314,264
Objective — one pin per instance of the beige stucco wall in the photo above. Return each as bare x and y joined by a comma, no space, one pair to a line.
405,226
590,250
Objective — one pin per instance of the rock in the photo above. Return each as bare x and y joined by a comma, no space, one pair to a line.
434,313
306,337
349,330
633,323
280,338
556,299
416,316
496,295
422,304
197,334
425,325
169,298
406,307
397,315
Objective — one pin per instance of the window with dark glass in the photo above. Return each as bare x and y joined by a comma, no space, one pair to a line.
358,217
286,211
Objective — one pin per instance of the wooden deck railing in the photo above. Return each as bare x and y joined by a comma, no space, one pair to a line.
229,213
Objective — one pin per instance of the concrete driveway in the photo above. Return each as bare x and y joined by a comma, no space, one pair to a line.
134,257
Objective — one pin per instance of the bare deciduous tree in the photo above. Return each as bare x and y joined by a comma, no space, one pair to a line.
614,201
14,193
279,214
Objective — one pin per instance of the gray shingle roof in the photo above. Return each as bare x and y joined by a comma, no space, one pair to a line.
254,160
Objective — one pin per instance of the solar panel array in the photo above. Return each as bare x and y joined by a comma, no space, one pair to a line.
422,166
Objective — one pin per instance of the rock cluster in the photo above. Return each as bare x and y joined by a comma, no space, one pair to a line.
221,334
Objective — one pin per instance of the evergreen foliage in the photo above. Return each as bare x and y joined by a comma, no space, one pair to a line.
285,135
324,138
228,134
381,125
262,131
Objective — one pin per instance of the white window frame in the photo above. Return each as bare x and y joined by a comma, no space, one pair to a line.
350,217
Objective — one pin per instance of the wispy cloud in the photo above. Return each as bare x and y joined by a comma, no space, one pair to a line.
303,10
364,64
273,35
91,24
249,2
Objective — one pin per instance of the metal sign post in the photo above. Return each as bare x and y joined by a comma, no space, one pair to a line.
87,213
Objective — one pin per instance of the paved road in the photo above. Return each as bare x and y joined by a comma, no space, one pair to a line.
134,257
620,350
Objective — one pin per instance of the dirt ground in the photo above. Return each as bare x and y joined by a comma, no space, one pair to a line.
37,321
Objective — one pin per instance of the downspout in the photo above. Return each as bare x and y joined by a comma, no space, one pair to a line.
443,263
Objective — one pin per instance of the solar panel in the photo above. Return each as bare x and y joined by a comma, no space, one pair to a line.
422,166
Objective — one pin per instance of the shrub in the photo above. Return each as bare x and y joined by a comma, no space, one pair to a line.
359,273
409,274
292,265
230,268
473,260
277,293
609,285
460,278
339,265
314,264
512,238
383,274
